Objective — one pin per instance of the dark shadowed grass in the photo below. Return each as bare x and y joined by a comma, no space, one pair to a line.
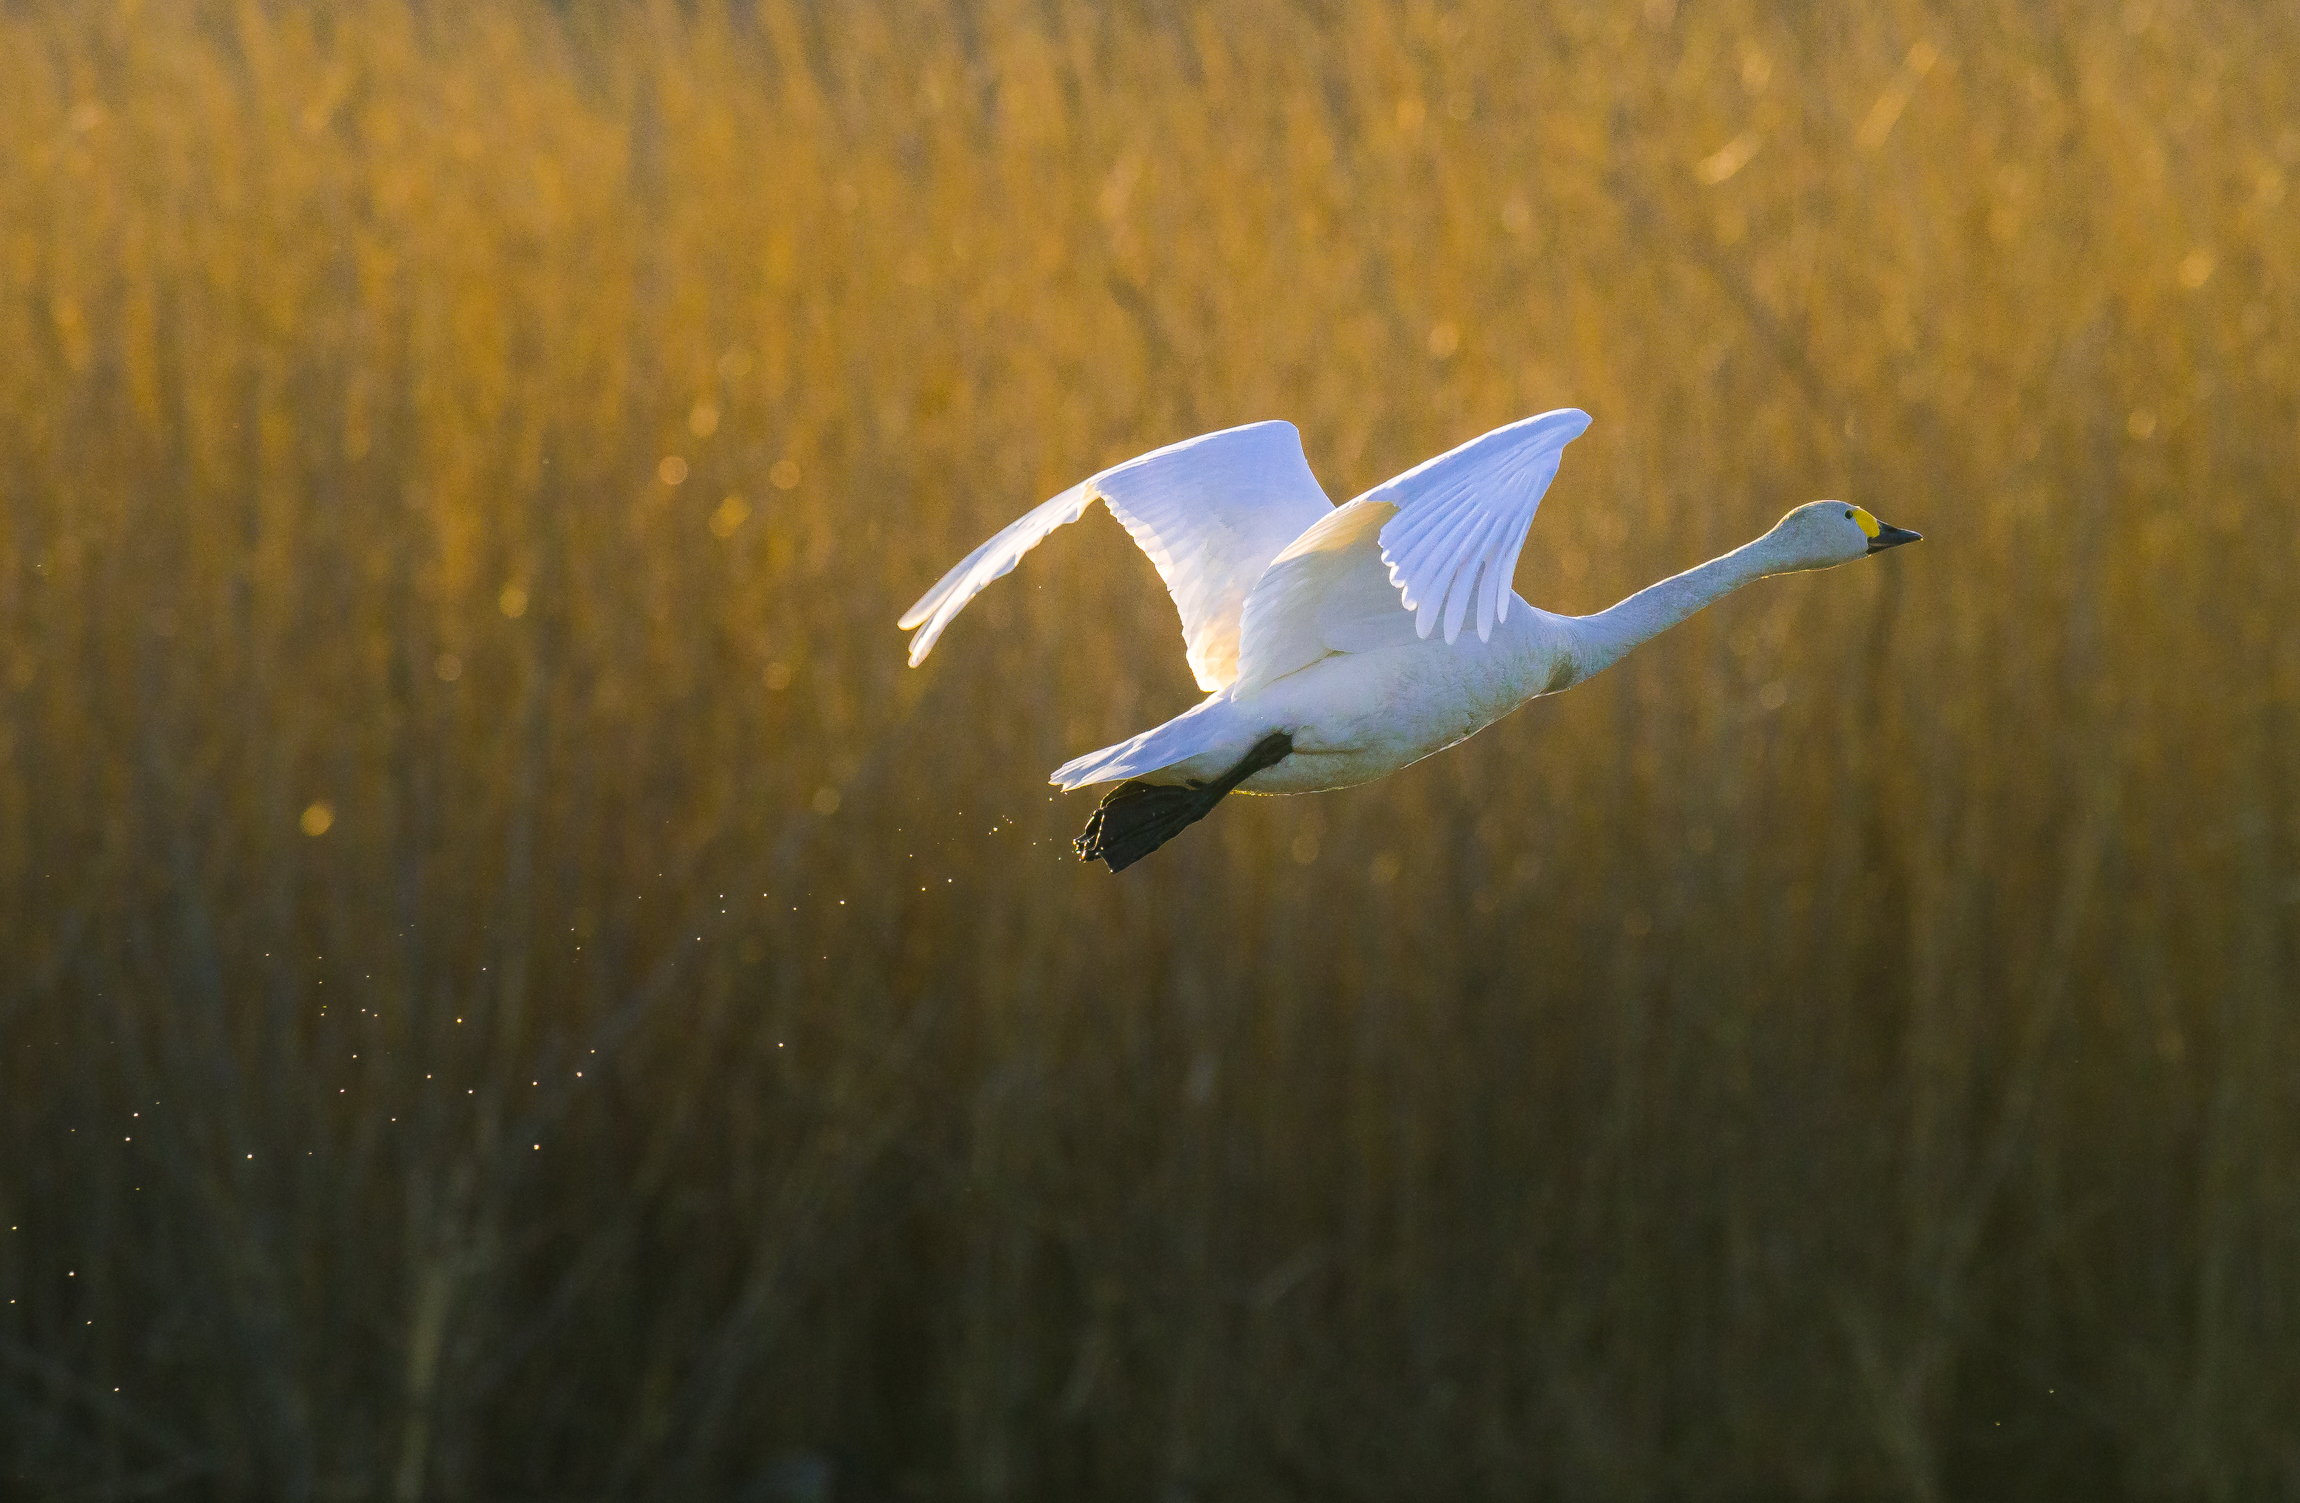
508,987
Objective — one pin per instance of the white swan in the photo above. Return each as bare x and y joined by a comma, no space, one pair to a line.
1315,627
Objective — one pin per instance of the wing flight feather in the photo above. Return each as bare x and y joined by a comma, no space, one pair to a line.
1462,518
1211,512
1441,540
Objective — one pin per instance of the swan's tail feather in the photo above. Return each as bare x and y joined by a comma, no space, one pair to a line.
1197,729
1135,819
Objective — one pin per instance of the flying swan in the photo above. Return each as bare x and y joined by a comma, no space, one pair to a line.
1330,639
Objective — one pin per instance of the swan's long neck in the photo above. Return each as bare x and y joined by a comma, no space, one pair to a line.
1606,638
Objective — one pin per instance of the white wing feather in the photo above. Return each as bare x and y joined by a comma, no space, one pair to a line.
1327,593
1462,517
1211,512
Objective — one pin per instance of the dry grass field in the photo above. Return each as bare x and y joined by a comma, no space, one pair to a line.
510,989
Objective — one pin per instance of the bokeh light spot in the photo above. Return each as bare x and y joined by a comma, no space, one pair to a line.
731,514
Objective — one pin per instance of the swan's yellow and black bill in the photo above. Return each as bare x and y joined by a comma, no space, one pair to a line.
1889,536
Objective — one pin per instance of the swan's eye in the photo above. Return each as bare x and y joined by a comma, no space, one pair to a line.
1848,516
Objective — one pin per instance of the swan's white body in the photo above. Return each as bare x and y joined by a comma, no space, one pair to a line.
1321,622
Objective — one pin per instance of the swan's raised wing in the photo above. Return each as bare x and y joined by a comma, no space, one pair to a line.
1462,518
1210,511
1329,592
1446,534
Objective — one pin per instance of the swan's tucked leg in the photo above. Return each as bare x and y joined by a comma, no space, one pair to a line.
1135,819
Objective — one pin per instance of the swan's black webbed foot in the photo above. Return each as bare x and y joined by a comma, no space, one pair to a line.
1136,818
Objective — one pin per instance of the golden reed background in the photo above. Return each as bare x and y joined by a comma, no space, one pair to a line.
511,989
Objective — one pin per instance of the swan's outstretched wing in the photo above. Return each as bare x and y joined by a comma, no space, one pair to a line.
1445,533
1210,511
1462,517
1327,593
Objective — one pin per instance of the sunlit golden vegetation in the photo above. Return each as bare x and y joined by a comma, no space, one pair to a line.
508,987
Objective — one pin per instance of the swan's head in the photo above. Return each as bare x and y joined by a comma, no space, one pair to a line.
1823,534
